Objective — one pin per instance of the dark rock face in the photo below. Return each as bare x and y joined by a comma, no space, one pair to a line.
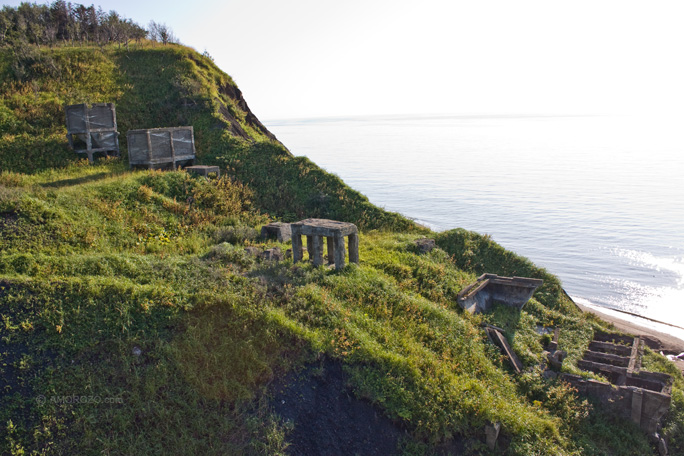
235,93
328,419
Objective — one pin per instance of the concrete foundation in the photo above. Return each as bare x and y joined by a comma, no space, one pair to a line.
642,396
203,170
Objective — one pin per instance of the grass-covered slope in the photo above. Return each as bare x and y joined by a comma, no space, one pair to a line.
134,321
164,86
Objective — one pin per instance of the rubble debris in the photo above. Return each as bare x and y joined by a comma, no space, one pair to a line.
253,251
554,356
492,433
274,254
204,170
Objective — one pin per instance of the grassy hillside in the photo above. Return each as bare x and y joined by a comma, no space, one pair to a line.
135,322
164,86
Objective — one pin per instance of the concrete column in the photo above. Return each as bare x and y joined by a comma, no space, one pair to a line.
331,249
297,251
309,246
637,400
316,250
492,434
338,243
354,248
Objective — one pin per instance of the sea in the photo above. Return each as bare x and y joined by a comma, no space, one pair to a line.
596,200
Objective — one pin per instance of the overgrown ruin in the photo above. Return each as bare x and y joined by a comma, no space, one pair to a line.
315,230
642,396
497,337
490,288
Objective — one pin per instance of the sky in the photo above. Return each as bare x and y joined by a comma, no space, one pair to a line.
317,58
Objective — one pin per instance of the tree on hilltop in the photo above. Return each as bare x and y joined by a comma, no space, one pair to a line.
30,23
161,33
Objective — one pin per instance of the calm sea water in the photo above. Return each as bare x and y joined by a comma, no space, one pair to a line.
597,200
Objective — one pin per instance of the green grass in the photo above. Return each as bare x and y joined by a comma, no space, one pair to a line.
168,86
132,291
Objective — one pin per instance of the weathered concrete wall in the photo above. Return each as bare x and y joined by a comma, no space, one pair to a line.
490,288
642,396
644,407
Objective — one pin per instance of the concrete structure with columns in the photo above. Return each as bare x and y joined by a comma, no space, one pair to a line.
315,230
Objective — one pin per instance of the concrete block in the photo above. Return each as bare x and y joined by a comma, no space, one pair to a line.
277,230
203,170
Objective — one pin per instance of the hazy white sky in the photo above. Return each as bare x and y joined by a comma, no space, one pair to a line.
306,58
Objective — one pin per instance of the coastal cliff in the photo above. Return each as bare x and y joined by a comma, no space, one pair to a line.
139,316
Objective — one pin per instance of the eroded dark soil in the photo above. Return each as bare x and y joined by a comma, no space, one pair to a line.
328,419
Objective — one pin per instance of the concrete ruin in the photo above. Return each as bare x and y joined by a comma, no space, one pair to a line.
424,245
274,254
492,431
204,170
92,129
642,396
554,356
490,288
160,147
496,336
315,230
279,231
